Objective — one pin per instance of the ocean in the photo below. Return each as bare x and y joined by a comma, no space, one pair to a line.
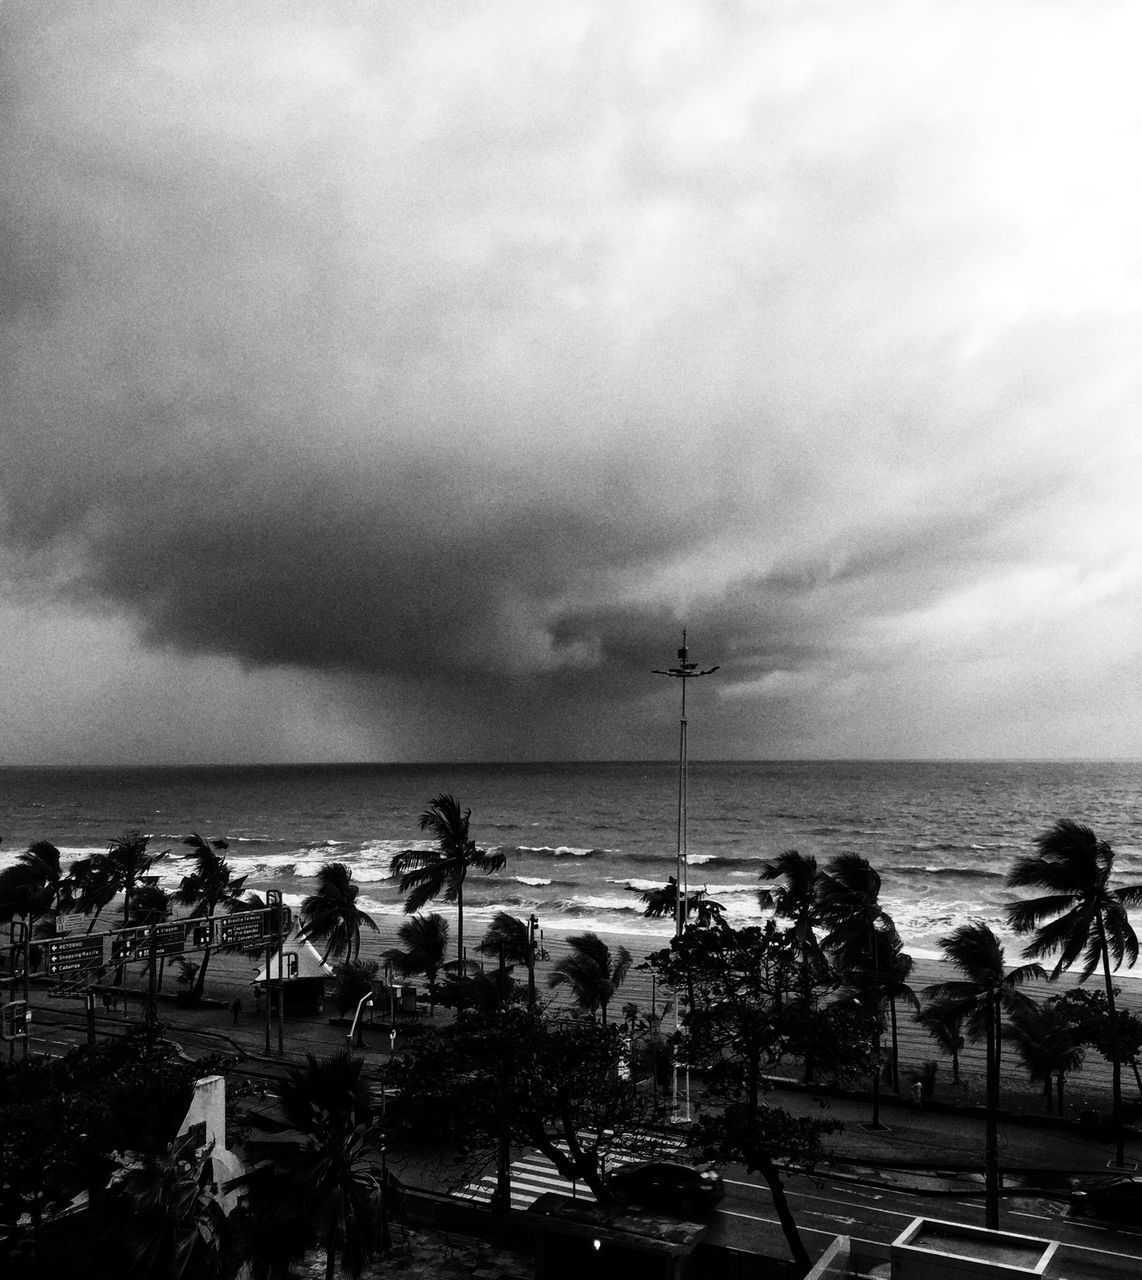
583,839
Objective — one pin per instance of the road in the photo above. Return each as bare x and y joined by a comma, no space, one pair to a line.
825,1207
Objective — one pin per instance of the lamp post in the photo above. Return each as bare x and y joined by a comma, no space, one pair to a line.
684,671
365,1002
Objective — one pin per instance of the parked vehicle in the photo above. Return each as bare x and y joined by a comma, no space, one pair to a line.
667,1184
1119,1198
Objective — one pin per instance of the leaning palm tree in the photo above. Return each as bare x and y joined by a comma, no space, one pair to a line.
331,914
982,996
31,886
848,907
425,874
1080,918
208,886
425,940
591,972
506,938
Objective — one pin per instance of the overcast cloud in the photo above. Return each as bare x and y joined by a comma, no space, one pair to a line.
397,380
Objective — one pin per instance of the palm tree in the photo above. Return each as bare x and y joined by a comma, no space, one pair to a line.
986,991
590,971
506,938
1045,1041
128,863
425,940
328,1190
425,874
331,914
207,887
31,886
1079,917
88,887
944,1022
793,898
848,906
895,967
663,902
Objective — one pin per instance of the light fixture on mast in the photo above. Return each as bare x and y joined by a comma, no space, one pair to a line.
685,670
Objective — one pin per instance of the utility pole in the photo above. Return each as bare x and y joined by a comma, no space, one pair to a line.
684,671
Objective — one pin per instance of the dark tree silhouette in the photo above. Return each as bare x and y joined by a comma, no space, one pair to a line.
331,914
982,996
425,940
1079,918
592,973
208,886
425,874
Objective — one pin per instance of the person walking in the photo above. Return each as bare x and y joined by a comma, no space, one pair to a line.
917,1097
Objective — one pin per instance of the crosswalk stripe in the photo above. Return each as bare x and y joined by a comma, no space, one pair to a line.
534,1174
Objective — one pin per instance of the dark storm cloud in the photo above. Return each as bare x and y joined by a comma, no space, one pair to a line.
466,354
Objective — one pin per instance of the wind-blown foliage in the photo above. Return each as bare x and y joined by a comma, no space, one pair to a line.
592,973
425,940
848,907
1080,917
662,902
424,874
981,997
331,914
208,886
31,886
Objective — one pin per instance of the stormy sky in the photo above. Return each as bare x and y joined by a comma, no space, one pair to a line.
395,381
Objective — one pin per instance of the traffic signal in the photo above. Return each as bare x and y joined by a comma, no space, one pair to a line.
201,935
291,964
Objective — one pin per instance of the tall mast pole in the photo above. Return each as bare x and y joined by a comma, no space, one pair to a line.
684,671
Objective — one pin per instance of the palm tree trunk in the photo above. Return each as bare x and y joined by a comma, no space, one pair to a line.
991,1143
876,1028
1116,1055
895,1046
460,923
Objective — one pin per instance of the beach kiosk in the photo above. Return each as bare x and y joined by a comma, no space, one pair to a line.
303,977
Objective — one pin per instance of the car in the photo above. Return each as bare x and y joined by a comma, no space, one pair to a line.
667,1184
1119,1198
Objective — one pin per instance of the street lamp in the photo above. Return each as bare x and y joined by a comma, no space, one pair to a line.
684,671
365,1002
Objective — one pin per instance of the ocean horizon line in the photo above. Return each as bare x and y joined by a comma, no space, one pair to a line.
785,761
